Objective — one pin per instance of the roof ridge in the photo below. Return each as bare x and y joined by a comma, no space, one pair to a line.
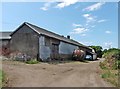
51,32
32,26
43,29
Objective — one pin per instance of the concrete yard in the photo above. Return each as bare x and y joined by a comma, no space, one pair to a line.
72,74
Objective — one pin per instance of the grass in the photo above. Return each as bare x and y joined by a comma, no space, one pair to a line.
102,66
32,62
2,78
55,62
108,72
110,76
110,66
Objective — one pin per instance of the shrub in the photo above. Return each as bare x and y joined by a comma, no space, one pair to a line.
112,53
110,65
112,58
102,65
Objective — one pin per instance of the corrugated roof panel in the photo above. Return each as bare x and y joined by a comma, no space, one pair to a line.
5,35
53,35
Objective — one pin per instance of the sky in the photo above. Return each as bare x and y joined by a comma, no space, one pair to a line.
90,23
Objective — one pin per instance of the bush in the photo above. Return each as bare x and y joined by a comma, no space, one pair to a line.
112,58
118,64
110,65
102,65
112,53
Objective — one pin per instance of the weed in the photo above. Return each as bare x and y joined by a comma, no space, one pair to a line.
102,65
2,78
32,61
110,76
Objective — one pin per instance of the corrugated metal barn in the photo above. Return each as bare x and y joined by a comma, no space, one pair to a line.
4,42
43,44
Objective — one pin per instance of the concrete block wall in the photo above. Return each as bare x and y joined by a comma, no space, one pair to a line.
44,51
25,40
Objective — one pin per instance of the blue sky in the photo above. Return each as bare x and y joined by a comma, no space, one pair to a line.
90,23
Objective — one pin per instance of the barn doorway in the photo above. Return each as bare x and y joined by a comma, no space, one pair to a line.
55,51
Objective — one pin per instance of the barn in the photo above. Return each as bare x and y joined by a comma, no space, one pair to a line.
4,42
42,44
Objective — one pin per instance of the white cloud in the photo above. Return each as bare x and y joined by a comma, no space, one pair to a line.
82,29
100,21
65,3
56,0
93,26
79,30
83,34
61,4
94,6
108,44
76,25
46,6
89,18
86,15
108,32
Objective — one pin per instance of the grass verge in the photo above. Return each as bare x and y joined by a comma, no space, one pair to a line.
2,78
109,75
32,62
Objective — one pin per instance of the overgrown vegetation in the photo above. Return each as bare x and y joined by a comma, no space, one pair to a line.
34,61
110,76
112,57
2,78
110,65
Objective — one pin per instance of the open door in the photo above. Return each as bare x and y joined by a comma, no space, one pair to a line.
55,51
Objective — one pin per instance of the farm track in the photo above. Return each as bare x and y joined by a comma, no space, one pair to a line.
74,74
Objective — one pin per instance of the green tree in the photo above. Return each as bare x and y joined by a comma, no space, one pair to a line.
104,51
98,50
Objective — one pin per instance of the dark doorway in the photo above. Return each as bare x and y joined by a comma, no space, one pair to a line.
55,51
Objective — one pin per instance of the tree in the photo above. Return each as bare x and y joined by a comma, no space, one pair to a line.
98,50
104,51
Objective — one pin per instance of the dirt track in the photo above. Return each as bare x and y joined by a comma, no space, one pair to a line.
72,74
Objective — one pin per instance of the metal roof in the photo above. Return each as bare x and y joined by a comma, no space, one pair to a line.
5,35
50,34
54,35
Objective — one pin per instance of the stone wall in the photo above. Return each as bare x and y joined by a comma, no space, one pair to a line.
25,41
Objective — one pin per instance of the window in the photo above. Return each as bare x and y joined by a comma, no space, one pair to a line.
47,41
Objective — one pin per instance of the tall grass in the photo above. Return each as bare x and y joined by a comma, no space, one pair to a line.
110,66
2,78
